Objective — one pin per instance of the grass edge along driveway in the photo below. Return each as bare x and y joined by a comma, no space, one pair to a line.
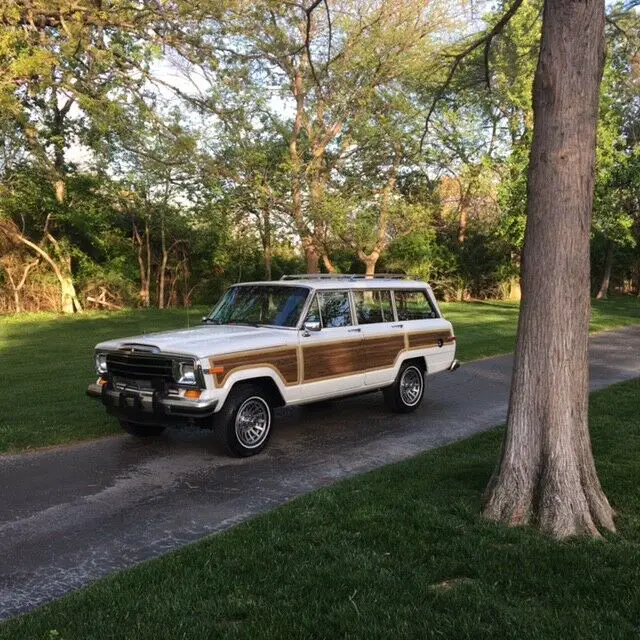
398,552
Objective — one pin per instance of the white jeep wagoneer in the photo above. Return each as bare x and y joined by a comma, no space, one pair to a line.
269,344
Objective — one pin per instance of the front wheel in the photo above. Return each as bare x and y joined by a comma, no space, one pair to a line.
141,430
244,423
406,393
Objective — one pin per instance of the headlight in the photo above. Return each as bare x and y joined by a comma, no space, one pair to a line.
187,373
101,363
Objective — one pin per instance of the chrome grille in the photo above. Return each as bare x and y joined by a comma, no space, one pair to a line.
137,366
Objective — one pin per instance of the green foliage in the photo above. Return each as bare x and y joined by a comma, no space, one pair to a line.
203,143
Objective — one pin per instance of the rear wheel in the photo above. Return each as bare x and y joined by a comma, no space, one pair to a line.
244,423
141,430
406,393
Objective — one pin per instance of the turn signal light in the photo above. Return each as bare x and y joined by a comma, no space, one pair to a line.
192,394
102,382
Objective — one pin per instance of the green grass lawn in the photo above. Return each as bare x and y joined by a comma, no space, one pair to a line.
46,365
47,361
488,328
400,552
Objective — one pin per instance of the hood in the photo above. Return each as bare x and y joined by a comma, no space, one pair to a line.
208,340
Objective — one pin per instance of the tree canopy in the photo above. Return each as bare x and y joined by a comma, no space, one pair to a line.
152,153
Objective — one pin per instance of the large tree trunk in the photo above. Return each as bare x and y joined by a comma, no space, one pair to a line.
604,287
547,474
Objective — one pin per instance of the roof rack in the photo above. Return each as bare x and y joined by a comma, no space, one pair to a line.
347,276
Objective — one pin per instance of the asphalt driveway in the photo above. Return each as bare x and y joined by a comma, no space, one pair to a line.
71,515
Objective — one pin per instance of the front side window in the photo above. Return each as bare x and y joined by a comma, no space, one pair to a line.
331,308
272,305
313,315
413,305
373,306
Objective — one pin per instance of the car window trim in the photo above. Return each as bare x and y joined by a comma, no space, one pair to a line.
303,313
433,309
316,293
355,309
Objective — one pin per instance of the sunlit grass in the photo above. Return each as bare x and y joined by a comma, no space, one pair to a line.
489,328
47,361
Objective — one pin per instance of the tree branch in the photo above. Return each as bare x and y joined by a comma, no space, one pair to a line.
307,42
485,40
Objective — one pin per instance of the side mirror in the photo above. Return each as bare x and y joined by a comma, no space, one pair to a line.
311,326
204,318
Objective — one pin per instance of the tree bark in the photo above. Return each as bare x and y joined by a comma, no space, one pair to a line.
604,287
313,259
144,267
547,474
68,297
328,264
163,264
370,265
266,244
370,260
17,287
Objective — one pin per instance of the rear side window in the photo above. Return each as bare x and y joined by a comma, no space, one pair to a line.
413,305
373,305
335,310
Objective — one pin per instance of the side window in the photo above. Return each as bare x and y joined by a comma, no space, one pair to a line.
373,305
313,315
335,310
413,305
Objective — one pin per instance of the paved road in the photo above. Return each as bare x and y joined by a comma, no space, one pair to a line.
71,515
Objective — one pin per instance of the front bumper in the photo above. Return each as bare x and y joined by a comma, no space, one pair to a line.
151,408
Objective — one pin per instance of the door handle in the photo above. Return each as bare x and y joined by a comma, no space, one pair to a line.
397,326
355,330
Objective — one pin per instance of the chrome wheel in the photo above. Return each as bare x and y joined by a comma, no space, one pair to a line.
411,384
252,423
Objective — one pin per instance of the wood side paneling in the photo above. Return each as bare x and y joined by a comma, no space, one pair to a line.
382,352
284,361
422,339
328,360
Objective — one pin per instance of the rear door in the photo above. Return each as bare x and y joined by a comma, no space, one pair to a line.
427,333
331,359
384,336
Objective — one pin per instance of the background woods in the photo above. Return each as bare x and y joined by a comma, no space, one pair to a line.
151,156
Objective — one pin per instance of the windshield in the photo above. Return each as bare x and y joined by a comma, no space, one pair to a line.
272,305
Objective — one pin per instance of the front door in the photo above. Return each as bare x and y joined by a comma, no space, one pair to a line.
331,358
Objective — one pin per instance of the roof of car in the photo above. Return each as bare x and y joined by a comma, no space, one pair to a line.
345,281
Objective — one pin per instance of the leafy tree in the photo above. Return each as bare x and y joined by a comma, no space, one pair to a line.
329,64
